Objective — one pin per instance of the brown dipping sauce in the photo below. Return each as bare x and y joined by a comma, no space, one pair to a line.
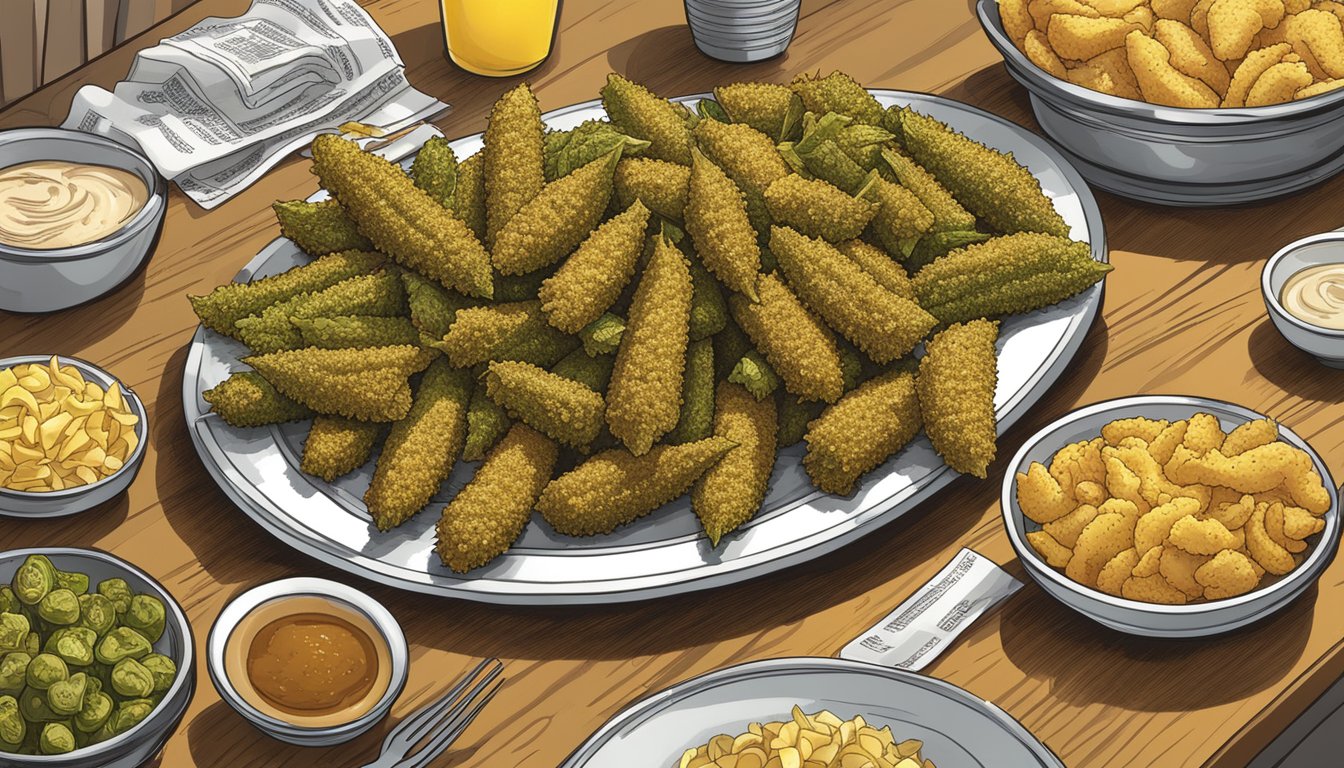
312,664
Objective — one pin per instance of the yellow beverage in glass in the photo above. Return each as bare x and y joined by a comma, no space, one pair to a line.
499,38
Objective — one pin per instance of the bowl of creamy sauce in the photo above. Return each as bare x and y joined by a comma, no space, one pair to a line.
78,215
308,661
1303,288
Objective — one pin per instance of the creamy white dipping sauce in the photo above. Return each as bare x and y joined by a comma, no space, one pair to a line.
1315,295
49,204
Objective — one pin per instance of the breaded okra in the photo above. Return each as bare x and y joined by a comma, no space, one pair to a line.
641,114
644,398
817,208
337,446
353,331
948,215
433,307
556,220
885,270
716,218
380,294
513,331
695,421
592,371
489,514
709,312
364,384
592,278
319,228
486,424
796,344
862,430
603,335
469,194
615,487
421,448
564,409
514,161
901,219
435,170
956,383
660,185
748,157
731,491
245,399
838,92
569,150
772,109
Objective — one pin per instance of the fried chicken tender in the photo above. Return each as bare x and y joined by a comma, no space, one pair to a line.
1143,428
222,308
660,185
818,209
363,384
356,331
772,109
561,408
988,183
1114,64
1178,567
421,448
1065,530
638,113
1180,10
1159,81
512,331
245,399
956,383
717,221
886,271
1269,554
1113,575
337,446
796,344
513,157
695,422
1056,555
1190,55
1042,10
550,225
748,157
1317,89
489,514
644,398
1249,71
616,487
729,493
1227,574
838,92
1266,468
1252,434
862,430
486,424
401,219
1278,84
1040,495
1079,37
592,278
1100,540
319,228
1152,589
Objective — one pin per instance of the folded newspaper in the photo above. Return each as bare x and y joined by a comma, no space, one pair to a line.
218,105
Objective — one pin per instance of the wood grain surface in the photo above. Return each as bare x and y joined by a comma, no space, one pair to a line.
1183,314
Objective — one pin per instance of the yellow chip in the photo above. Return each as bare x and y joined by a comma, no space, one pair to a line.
1298,523
1040,496
1252,434
1233,515
1154,528
1055,554
1146,430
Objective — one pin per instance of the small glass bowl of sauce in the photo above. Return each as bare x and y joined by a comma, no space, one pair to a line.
308,661
1303,288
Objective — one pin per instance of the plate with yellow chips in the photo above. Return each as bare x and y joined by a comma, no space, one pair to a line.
1171,516
812,711
71,436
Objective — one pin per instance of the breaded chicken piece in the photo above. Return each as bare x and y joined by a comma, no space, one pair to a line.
731,491
956,395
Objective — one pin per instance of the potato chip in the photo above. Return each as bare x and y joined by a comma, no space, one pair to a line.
1152,589
1065,530
1200,537
1112,577
1100,540
1227,574
1272,557
1154,527
1178,567
1056,555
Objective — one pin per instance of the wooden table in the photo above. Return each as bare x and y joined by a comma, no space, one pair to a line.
1183,315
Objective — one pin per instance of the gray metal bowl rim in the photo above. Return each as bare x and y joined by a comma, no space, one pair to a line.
1038,568
1272,299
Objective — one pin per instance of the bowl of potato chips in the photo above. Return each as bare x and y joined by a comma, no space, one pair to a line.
1171,516
71,436
1179,102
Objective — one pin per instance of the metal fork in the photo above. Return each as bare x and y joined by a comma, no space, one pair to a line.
439,723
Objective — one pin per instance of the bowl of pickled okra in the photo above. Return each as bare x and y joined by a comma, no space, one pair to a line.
97,664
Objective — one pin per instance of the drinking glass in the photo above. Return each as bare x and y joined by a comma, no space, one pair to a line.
499,38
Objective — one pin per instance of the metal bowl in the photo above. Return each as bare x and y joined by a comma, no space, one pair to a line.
52,279
742,30
32,504
1147,619
1326,344
1173,156
141,743
241,606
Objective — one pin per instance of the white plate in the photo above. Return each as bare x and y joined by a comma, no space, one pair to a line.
666,552
959,730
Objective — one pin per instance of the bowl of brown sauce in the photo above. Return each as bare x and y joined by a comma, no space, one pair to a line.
308,661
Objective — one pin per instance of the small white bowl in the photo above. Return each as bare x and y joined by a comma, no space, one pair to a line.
349,597
1325,344
1148,619
34,504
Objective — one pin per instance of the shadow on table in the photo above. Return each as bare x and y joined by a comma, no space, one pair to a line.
1289,368
84,529
83,325
219,737
665,59
1077,657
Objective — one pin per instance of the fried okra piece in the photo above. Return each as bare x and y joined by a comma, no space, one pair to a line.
594,372
755,374
222,308
400,219
885,326
514,160
433,307
772,109
794,416
863,144
469,194
575,148
421,448
828,162
379,294
489,514
709,312
990,184
748,157
245,399
644,398
956,383
337,446
697,395
486,424
354,331
731,491
639,113
935,245
716,218
513,331
660,185
794,342
838,92
886,271
901,220
948,214
435,170
729,347
818,209
364,384
319,228
862,430
563,409
592,278
615,487
1006,275
551,224
603,335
